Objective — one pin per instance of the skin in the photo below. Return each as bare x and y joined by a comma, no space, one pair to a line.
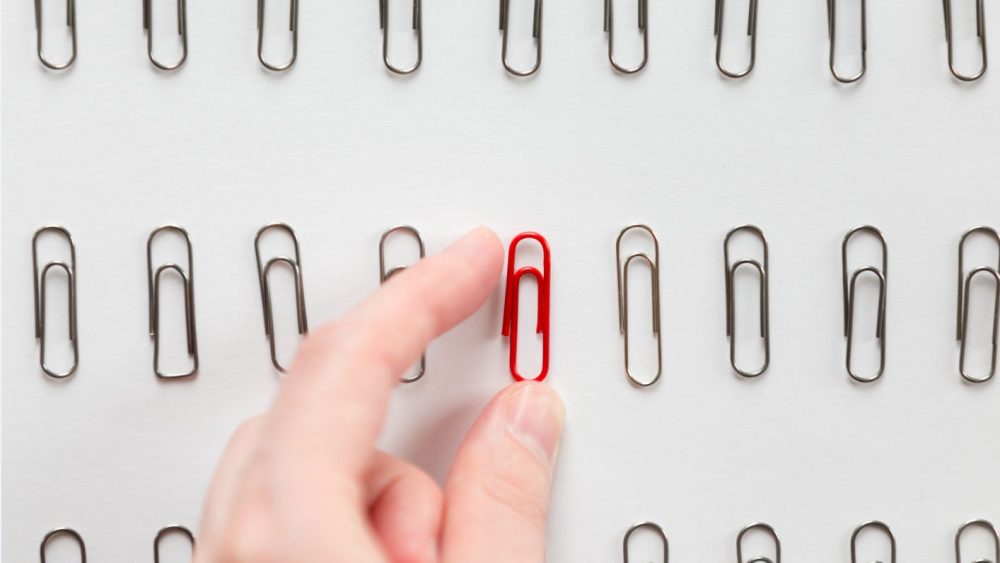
305,483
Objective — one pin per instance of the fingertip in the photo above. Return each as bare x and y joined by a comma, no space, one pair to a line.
535,416
482,248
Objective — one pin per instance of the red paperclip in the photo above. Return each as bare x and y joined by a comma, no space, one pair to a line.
544,279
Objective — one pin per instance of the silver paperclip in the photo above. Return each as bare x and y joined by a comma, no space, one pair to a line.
187,278
950,38
167,530
147,25
964,283
386,273
63,532
40,278
654,272
990,529
720,6
609,28
293,26
536,33
759,559
656,529
874,525
418,28
882,275
70,22
263,271
763,273
831,9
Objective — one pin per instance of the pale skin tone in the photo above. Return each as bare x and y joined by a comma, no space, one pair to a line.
304,482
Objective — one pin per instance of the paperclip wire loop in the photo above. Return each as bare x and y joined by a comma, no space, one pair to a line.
536,33
656,529
63,532
147,26
386,273
40,277
609,28
510,312
980,32
765,528
985,525
882,274
831,10
293,26
989,271
418,27
263,271
623,299
187,277
70,22
720,7
763,273
873,525
962,307
166,531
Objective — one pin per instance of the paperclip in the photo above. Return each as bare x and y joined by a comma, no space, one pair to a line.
63,532
990,529
831,10
656,529
167,530
40,298
882,275
763,273
720,6
980,32
263,271
70,22
385,274
536,33
293,26
622,274
875,525
544,279
962,316
147,25
609,28
153,279
418,27
759,559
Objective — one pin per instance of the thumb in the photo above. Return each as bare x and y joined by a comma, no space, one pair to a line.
497,495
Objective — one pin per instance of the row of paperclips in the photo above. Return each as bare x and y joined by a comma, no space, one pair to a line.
878,271
874,525
75,536
536,32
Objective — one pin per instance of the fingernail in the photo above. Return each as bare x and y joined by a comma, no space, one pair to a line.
536,420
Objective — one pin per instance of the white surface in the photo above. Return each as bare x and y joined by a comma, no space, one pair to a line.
341,150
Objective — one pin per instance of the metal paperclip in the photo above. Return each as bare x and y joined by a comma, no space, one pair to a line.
985,525
656,529
980,32
831,10
293,26
165,531
962,316
70,22
40,298
763,273
510,313
875,525
609,28
147,25
187,277
882,275
622,274
385,274
759,559
720,6
63,532
536,33
263,270
418,27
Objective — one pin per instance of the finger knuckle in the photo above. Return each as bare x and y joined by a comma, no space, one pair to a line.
522,488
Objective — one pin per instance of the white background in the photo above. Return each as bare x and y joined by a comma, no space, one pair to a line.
342,150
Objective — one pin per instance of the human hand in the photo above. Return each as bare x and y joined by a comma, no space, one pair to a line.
304,482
